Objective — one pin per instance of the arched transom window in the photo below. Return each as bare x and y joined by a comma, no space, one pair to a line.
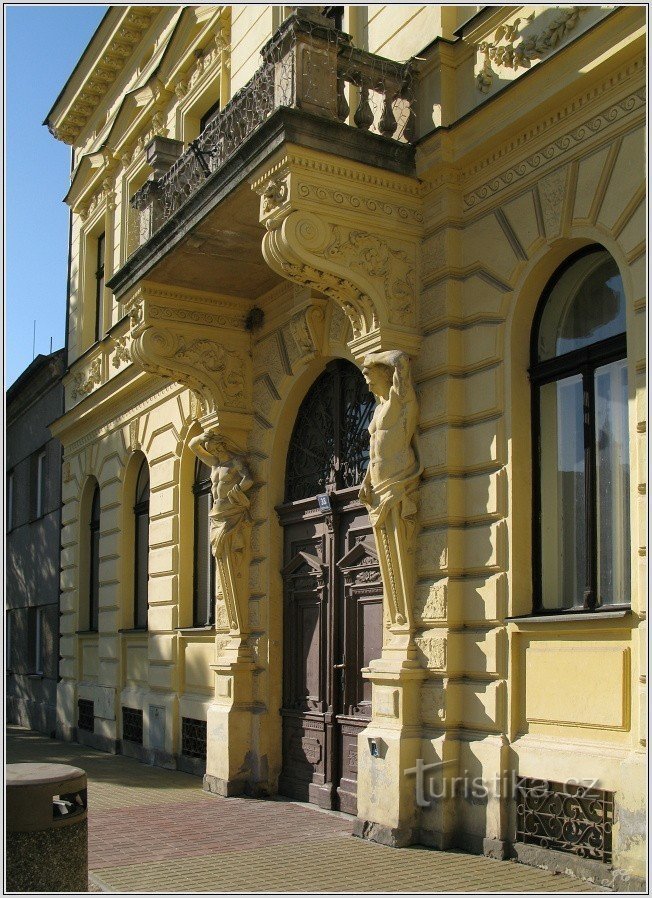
329,448
581,438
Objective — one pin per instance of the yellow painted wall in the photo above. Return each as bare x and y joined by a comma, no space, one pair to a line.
553,700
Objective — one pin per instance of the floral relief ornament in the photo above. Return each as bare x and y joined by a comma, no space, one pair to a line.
87,380
514,56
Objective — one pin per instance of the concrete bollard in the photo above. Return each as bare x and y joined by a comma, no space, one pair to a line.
47,828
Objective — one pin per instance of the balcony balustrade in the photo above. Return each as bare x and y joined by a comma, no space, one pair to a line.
307,65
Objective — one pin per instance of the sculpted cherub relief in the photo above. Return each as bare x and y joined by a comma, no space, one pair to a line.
230,522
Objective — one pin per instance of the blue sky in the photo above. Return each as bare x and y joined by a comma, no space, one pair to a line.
42,45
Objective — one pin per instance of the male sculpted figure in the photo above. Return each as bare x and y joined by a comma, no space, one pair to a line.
230,480
390,483
393,454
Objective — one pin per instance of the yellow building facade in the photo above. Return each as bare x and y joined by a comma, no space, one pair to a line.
272,206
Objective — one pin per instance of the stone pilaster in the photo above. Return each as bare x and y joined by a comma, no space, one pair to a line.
200,340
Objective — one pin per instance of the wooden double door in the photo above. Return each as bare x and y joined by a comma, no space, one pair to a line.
332,613
332,629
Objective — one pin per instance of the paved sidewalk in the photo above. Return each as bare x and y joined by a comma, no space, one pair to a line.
154,830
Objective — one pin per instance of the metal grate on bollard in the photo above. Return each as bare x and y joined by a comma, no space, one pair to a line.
47,828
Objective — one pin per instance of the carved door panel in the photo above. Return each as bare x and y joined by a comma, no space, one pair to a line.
332,626
307,721
360,622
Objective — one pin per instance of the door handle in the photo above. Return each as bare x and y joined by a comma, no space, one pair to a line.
338,667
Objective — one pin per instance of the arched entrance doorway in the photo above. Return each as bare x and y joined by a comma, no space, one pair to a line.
332,612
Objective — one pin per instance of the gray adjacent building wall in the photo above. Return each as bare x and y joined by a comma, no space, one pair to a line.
34,401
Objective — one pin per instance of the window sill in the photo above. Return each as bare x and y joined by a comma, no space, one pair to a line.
87,633
127,630
206,629
569,616
35,676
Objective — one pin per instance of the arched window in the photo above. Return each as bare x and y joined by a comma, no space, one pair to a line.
581,438
329,447
204,577
94,562
141,547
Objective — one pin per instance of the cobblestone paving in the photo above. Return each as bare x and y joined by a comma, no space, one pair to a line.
154,830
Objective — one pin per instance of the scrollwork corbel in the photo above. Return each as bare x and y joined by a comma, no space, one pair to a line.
369,275
192,347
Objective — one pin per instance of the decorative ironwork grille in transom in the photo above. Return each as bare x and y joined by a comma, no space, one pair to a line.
193,738
329,448
86,715
132,725
566,817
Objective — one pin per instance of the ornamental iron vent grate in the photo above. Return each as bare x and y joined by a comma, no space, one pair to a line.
86,715
567,817
132,725
193,738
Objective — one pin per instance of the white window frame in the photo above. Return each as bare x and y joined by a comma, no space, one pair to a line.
40,483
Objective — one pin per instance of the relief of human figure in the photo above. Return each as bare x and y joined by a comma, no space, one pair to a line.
230,522
389,487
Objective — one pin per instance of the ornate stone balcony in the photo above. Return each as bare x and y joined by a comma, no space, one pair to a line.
308,65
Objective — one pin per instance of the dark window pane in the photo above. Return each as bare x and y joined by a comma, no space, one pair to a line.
94,562
142,565
586,305
142,485
99,286
204,570
330,441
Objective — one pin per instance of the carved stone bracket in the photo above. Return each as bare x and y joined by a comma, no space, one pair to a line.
357,246
200,341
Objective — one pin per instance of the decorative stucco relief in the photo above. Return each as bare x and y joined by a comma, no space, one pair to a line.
373,256
195,348
433,651
431,601
86,381
552,151
359,250
504,51
121,354
359,202
433,704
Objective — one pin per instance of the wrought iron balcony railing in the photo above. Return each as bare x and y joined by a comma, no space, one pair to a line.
307,65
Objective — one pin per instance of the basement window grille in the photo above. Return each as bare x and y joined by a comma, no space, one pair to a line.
132,725
193,738
567,817
85,715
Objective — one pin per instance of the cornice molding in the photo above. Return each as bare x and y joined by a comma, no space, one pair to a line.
127,35
553,150
407,186
137,402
